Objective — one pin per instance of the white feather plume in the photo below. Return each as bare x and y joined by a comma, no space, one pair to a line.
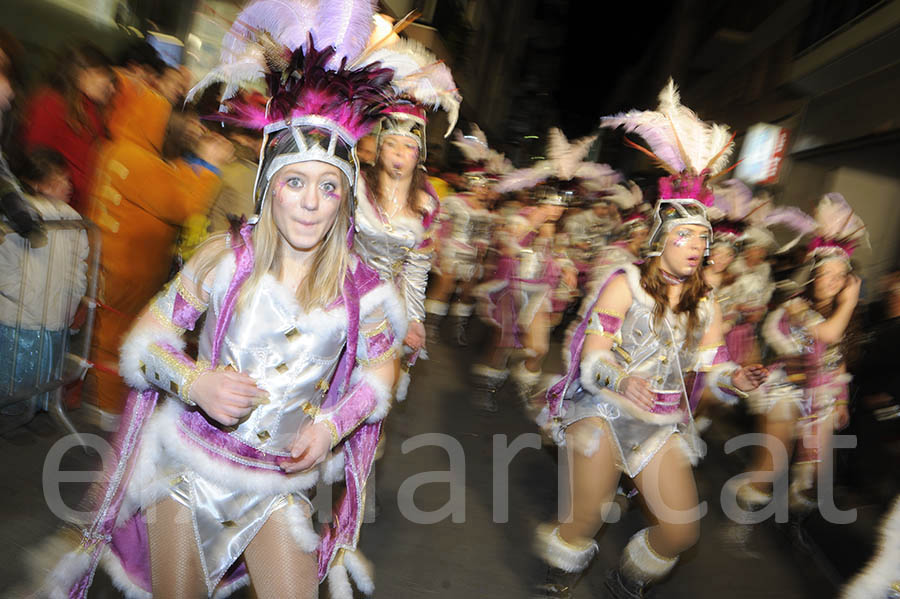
419,75
565,161
241,61
625,196
836,219
567,156
676,135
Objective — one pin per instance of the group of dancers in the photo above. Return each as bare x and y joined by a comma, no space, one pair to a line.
319,305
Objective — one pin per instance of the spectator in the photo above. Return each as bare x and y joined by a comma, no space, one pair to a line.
140,199
68,116
41,283
19,214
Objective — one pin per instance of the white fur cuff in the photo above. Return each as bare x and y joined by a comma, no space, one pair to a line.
136,345
558,553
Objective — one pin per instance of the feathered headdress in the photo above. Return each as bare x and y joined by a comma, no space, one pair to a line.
421,81
565,163
328,82
629,199
839,230
483,164
692,151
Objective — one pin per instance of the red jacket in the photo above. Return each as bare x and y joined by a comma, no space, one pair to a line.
46,126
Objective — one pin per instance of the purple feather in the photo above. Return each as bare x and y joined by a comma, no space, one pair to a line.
656,131
344,24
791,217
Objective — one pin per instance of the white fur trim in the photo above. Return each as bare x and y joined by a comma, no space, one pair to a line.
385,296
301,527
641,563
339,583
556,552
881,572
135,346
383,393
781,343
461,309
521,374
722,374
361,571
332,468
488,372
72,566
162,444
402,386
120,579
437,308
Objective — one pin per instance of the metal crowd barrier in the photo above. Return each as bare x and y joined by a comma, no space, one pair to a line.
68,350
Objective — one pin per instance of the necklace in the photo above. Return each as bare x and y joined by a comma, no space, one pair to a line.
671,279
385,217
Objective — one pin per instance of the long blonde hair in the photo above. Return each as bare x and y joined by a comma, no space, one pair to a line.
324,282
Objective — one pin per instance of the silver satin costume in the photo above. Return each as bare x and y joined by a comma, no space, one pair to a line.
588,233
290,354
400,250
659,356
471,226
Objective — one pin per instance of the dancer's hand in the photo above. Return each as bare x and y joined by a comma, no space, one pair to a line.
226,395
309,448
415,335
748,378
841,417
850,292
637,390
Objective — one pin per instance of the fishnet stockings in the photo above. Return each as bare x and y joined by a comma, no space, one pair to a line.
175,567
278,568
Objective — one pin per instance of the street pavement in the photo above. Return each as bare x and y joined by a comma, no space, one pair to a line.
438,532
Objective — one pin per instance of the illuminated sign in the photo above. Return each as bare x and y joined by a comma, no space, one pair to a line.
762,154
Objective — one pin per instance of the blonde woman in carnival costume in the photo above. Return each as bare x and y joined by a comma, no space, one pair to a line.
217,454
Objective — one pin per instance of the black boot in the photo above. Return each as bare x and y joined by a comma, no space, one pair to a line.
459,324
618,586
558,584
433,327
486,382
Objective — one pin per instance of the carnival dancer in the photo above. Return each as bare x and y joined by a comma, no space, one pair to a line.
805,398
622,406
469,224
397,208
590,230
217,455
516,301
630,234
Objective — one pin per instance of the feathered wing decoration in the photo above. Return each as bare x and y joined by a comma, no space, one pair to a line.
475,149
595,176
732,199
565,161
262,26
346,25
524,178
678,139
418,75
837,221
567,156
626,196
